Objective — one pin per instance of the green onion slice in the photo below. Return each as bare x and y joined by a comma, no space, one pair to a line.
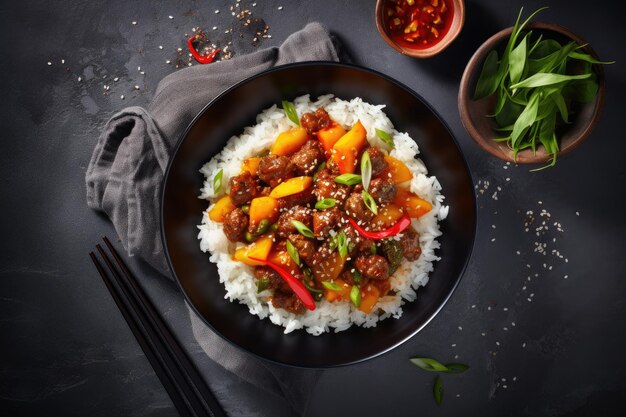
217,181
355,296
325,204
385,137
348,179
290,111
429,364
302,229
369,202
366,170
293,252
331,286
438,390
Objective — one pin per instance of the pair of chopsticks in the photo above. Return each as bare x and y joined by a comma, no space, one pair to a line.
179,376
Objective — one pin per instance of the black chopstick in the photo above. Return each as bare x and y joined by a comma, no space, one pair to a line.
179,376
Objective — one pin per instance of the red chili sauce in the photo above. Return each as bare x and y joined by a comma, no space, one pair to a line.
417,24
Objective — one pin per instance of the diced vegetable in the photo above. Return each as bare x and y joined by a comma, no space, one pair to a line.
289,142
387,216
369,298
260,249
291,186
330,135
262,208
415,206
393,253
398,170
345,151
338,295
221,209
283,259
330,269
251,165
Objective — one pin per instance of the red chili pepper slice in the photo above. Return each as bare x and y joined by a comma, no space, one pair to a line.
400,225
294,283
202,59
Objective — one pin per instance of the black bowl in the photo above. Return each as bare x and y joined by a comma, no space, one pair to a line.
236,108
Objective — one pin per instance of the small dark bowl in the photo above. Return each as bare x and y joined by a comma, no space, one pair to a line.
481,128
227,115
455,28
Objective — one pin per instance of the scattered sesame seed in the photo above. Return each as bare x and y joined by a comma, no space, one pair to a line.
160,46
168,61
482,334
136,87
49,63
280,7
80,79
122,96
217,11
170,17
453,345
62,61
134,22
214,27
116,79
460,328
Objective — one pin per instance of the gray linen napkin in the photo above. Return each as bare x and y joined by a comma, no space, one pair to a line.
124,178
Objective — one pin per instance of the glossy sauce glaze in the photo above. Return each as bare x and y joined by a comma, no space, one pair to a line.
417,24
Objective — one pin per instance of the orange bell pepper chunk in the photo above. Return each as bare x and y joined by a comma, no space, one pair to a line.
291,186
289,142
330,135
331,295
369,298
345,151
251,165
262,208
220,210
398,170
283,259
387,216
259,249
414,205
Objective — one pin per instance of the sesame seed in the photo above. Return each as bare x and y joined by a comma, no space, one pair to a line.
80,79
280,7
217,11
170,17
134,22
136,87
49,63
122,96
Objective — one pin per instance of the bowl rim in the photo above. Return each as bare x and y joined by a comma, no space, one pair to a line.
433,50
457,278
473,66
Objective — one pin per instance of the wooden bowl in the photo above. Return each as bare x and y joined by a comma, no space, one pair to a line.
458,19
481,128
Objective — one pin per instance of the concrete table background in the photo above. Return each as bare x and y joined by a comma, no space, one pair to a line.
552,346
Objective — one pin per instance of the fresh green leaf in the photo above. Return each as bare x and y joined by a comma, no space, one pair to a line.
356,276
369,202
526,119
293,252
393,252
348,179
544,48
366,170
588,58
385,137
290,111
542,79
429,364
559,101
517,60
456,368
333,286
325,204
302,229
217,181
584,91
355,296
340,241
438,390
487,81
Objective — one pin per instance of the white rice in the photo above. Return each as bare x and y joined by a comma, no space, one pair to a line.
238,278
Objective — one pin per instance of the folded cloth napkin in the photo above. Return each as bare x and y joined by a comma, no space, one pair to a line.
124,178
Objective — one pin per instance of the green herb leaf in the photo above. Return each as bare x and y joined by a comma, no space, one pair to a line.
355,296
325,204
302,229
348,179
526,119
290,111
262,285
293,252
456,368
393,252
542,79
217,181
517,60
369,202
438,390
385,137
356,276
586,57
342,244
488,81
366,170
333,286
429,364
